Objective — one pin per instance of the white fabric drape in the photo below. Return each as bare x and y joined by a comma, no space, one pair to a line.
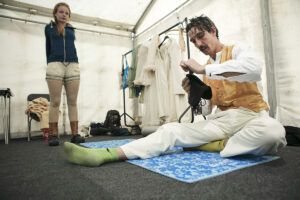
159,71
171,55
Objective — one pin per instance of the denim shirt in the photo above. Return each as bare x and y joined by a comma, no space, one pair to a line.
60,48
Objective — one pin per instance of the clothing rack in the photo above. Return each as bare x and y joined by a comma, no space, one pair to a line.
170,28
189,56
190,72
124,103
124,55
128,52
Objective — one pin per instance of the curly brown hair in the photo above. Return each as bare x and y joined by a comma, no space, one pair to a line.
202,23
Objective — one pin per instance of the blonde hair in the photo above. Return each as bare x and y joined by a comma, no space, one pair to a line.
60,28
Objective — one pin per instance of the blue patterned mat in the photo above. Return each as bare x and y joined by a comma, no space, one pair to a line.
188,167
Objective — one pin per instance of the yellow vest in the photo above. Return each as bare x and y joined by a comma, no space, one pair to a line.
232,94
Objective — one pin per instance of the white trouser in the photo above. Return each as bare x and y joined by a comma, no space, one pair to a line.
248,132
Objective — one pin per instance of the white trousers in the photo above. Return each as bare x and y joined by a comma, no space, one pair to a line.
248,132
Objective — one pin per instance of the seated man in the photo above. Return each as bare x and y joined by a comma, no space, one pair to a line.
241,124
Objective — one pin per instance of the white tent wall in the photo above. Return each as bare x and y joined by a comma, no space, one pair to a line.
286,46
23,68
23,62
100,63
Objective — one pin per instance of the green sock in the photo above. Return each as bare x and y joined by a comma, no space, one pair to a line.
215,146
89,157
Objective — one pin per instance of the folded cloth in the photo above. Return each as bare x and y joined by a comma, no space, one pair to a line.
198,90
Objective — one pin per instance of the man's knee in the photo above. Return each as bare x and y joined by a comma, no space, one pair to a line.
273,131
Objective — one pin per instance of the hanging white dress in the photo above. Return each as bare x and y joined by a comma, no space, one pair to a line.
171,57
146,76
155,107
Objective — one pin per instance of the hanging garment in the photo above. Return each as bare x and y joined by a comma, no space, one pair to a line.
154,77
132,73
146,77
171,56
125,74
135,90
181,39
142,76
161,79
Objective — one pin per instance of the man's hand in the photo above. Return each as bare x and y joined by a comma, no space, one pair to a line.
192,65
186,85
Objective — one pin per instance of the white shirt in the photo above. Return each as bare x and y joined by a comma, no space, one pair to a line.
243,61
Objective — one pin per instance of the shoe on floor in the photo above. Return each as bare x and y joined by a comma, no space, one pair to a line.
77,139
53,140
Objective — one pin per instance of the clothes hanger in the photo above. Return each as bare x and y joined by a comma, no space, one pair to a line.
166,37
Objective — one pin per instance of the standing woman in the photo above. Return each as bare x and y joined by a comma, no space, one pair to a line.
62,70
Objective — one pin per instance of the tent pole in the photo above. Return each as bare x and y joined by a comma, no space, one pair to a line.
163,18
269,58
145,13
47,12
189,56
44,23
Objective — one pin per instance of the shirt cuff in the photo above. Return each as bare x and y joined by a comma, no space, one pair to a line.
211,71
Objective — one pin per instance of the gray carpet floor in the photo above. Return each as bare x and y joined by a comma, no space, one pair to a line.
33,170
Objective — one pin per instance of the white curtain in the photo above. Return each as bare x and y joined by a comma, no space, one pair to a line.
286,47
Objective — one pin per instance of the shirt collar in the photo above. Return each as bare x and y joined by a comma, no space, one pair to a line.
218,58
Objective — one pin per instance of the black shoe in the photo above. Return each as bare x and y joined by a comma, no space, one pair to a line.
77,139
53,140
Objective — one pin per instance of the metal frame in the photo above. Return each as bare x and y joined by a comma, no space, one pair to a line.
189,55
79,29
124,103
6,93
47,12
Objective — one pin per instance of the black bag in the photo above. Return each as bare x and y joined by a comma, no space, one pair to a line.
113,119
115,131
111,126
98,129
292,135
